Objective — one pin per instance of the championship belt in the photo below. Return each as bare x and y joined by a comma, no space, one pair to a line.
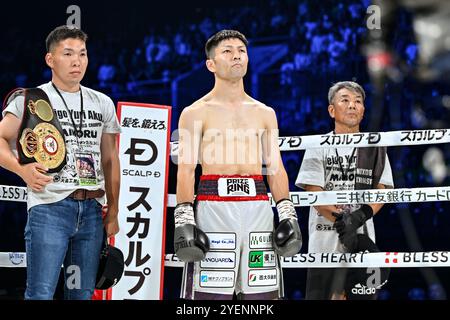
40,138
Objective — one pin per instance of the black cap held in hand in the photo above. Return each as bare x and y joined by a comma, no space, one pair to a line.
110,268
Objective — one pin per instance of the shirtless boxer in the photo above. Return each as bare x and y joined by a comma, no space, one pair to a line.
230,244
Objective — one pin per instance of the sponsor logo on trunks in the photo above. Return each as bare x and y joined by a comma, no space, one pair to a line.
260,240
216,279
219,260
260,278
260,259
324,227
236,187
222,241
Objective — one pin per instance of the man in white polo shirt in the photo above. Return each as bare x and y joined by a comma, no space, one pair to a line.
333,169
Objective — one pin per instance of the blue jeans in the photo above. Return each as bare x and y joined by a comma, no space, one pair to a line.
70,232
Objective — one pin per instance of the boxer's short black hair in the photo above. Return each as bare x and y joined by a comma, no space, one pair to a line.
214,41
62,33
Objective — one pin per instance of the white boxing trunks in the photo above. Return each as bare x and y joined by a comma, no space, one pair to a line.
235,213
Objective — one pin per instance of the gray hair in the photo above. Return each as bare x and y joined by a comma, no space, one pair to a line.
350,85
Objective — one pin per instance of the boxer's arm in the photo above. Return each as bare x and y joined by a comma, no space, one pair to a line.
287,237
185,183
190,242
189,128
277,177
278,183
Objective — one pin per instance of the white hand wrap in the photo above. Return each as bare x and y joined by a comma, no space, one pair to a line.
286,210
184,214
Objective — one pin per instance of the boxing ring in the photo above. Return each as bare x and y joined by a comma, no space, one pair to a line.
306,199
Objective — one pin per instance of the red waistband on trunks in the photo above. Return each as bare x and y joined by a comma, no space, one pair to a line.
208,188
256,177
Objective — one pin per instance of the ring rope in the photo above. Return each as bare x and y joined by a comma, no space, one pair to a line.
361,139
307,199
309,260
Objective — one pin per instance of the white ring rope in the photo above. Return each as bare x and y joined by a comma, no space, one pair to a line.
309,260
362,139
307,199
304,199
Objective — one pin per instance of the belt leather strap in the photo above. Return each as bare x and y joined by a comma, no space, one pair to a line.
83,194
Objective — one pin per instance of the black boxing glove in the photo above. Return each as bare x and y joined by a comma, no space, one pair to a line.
287,238
190,243
348,239
347,224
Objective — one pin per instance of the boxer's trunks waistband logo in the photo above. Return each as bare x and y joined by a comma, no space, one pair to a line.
232,187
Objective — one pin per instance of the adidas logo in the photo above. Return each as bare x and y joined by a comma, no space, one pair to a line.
360,289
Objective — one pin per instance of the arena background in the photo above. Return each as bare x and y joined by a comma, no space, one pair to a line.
144,52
